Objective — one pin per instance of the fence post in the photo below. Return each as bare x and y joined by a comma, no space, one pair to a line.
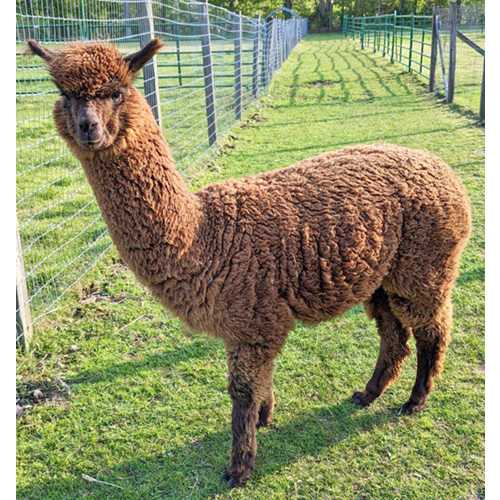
434,48
149,71
128,27
393,35
265,48
270,51
208,74
178,52
237,64
410,52
256,43
83,26
422,41
385,36
453,52
363,32
482,111
23,317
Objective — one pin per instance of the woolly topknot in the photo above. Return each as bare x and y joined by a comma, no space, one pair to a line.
90,69
93,69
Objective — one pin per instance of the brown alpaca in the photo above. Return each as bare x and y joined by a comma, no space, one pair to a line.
244,259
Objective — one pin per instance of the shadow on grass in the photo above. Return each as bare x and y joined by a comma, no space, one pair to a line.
193,469
163,359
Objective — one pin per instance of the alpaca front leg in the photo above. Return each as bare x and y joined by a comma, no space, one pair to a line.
250,375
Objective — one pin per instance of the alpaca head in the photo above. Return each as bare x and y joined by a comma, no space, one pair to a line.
95,82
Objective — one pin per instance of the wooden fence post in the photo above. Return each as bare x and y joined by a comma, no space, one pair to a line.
208,72
149,71
255,66
24,329
237,64
453,52
434,49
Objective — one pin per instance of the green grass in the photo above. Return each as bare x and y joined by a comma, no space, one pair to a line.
142,403
469,63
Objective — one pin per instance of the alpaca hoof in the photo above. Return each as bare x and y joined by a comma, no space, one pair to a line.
264,422
231,480
411,407
362,398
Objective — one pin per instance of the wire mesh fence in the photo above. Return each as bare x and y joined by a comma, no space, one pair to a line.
469,60
447,48
215,64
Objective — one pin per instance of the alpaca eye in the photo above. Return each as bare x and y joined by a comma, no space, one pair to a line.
65,100
117,96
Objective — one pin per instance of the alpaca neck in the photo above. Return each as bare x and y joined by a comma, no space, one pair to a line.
152,217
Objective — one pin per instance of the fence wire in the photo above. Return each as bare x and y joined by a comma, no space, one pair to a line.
61,233
469,62
407,40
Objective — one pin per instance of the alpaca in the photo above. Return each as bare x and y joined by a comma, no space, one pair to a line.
244,259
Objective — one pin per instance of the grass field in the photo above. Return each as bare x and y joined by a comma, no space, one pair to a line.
141,403
469,63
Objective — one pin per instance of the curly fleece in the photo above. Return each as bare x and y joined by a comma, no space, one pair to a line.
243,259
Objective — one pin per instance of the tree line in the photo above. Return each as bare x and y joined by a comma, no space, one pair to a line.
321,13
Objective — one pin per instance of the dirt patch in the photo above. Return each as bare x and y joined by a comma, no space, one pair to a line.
321,83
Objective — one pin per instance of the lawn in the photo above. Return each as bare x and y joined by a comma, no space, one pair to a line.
130,397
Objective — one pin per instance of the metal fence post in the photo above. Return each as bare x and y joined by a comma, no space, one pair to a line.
453,52
385,37
393,35
434,49
482,110
265,55
149,71
271,51
363,32
23,316
255,66
208,72
237,64
410,52
178,53
83,25
126,13
422,41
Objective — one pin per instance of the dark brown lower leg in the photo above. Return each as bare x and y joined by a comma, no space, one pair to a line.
393,348
266,410
432,343
250,376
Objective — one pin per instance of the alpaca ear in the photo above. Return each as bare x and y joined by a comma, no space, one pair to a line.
139,59
39,50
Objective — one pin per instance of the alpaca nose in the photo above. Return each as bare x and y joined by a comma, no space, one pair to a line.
87,125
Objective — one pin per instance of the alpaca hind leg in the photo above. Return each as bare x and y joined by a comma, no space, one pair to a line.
266,409
393,348
250,381
432,339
